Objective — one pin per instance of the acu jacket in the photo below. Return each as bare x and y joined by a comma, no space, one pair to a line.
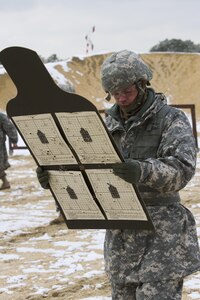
161,139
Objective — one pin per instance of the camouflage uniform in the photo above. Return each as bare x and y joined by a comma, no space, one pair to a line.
157,290
167,157
145,264
6,128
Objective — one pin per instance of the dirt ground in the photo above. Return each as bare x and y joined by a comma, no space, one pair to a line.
39,260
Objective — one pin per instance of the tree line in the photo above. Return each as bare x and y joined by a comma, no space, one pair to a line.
167,45
176,45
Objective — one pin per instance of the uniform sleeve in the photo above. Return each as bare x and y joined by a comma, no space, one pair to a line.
176,156
9,129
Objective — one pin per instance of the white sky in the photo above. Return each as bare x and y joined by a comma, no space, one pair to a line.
60,26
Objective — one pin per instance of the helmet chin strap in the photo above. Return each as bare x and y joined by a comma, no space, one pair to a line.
141,87
137,104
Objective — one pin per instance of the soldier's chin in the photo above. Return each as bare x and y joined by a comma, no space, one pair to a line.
124,104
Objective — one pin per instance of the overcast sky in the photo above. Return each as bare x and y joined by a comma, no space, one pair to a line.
60,26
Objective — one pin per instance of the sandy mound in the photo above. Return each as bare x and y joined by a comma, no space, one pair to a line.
175,74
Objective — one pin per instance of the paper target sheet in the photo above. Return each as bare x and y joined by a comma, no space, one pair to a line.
73,195
117,197
88,137
44,139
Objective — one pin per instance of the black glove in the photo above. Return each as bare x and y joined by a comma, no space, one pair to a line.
130,171
43,177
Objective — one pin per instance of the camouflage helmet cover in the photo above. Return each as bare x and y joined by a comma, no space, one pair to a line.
123,69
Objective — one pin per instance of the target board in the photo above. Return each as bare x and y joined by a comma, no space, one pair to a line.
67,136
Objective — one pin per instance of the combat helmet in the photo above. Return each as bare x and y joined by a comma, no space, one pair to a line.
123,69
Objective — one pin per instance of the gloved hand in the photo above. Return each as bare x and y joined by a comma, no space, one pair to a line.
130,170
43,177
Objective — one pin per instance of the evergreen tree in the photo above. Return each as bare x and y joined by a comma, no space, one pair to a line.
176,45
52,58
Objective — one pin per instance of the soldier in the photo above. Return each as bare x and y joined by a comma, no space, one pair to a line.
6,129
158,147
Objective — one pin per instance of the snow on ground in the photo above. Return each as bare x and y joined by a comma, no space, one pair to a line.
39,260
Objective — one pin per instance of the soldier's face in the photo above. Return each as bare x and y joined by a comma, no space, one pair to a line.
126,96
